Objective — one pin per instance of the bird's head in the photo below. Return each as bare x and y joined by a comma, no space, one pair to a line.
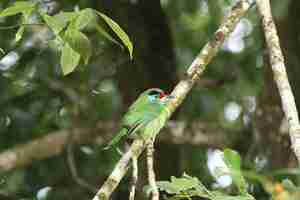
156,95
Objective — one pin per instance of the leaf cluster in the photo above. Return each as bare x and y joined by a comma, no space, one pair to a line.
68,29
187,186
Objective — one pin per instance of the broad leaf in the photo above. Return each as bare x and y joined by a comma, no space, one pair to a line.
80,43
118,31
18,7
168,187
69,59
222,196
185,183
27,14
55,24
106,35
85,17
233,161
58,22
289,185
186,187
65,17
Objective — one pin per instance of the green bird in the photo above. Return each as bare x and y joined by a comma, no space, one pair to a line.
145,117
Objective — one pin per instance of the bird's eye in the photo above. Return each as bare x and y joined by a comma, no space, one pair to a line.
154,96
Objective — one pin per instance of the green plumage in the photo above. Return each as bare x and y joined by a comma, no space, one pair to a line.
145,117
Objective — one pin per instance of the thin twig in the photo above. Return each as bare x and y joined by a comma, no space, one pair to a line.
151,172
179,93
134,177
280,75
73,169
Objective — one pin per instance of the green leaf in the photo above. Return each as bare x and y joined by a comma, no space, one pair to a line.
106,35
168,187
185,183
233,161
58,22
65,17
222,196
80,43
24,20
19,33
2,51
85,17
289,185
55,24
186,187
182,184
69,59
18,7
119,32
27,13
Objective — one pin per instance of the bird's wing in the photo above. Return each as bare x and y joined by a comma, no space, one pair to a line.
155,125
139,117
139,101
138,126
117,138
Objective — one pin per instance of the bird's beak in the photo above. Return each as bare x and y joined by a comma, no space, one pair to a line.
167,98
171,97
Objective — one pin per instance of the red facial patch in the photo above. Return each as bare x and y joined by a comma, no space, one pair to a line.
162,95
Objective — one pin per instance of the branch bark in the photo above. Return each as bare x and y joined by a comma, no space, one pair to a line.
180,92
151,172
280,75
176,132
134,178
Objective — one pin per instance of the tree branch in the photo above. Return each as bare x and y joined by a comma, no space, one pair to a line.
73,167
280,75
134,178
151,172
176,132
120,170
179,93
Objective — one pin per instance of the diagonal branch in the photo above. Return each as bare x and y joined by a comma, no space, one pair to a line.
180,91
280,75
120,170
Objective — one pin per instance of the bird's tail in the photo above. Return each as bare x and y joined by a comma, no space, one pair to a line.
116,139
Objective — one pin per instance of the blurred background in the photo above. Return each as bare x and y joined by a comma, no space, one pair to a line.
234,105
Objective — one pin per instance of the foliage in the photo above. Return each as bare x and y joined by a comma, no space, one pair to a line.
278,190
233,161
187,186
35,100
68,30
24,7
